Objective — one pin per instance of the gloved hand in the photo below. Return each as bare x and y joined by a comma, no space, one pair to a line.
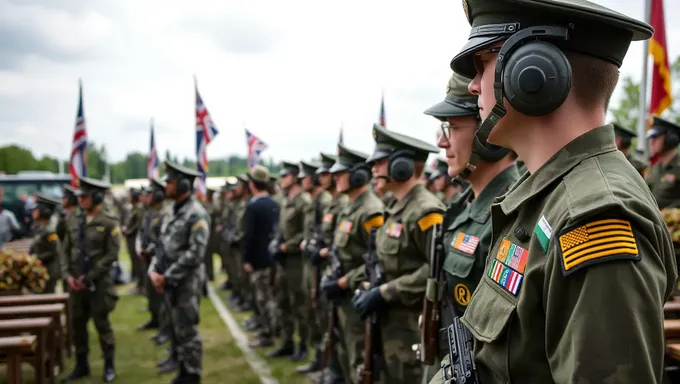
331,289
366,302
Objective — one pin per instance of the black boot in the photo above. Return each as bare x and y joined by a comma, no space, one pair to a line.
312,366
169,365
82,369
330,376
184,377
109,371
286,349
300,353
151,324
162,339
165,361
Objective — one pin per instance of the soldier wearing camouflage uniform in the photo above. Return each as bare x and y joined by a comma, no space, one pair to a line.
242,289
184,237
290,281
403,246
226,225
210,207
46,245
130,232
94,243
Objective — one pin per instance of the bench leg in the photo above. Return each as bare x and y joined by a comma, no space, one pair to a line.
14,369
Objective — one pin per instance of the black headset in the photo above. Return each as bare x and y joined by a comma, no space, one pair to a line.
183,185
626,141
97,197
359,175
157,195
401,165
316,181
44,211
71,198
672,139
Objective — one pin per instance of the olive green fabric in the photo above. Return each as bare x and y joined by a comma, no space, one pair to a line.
289,168
637,163
327,161
458,101
387,141
664,182
574,315
47,247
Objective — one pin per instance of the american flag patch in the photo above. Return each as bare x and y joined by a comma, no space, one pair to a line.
328,218
394,229
346,226
464,242
506,277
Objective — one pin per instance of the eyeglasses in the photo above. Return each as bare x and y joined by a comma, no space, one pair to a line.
477,58
447,128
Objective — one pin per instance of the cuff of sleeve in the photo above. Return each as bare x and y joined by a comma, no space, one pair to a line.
388,291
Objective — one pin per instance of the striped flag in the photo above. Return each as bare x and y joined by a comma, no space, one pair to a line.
152,163
205,133
661,76
255,147
382,111
78,164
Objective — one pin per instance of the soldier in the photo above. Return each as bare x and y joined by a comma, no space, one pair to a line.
177,270
130,232
46,245
66,225
224,227
364,212
292,298
242,289
403,246
210,207
467,227
624,137
452,190
438,179
581,222
94,248
662,177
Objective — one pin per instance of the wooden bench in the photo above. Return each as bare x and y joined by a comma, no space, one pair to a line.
46,298
53,311
19,246
673,351
46,348
15,347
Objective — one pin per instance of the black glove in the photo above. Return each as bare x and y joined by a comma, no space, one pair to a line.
331,289
366,302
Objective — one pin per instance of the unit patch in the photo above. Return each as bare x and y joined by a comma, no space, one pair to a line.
506,277
596,242
462,294
512,255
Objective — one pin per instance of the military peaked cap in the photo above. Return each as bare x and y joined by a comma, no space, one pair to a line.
288,168
327,161
308,169
88,186
175,171
145,189
259,174
46,201
157,184
661,126
387,142
441,170
620,130
243,178
458,101
593,29
347,158
68,190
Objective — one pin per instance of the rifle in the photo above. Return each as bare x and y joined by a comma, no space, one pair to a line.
429,336
85,261
373,342
461,368
312,249
336,273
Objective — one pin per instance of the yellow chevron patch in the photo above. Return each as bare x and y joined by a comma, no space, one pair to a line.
427,221
52,237
374,222
596,242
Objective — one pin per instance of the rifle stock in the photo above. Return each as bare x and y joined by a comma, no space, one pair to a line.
429,336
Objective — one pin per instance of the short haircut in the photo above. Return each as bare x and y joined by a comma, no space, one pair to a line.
593,80
418,169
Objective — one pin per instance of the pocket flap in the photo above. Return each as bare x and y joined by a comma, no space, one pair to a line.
341,239
489,312
459,263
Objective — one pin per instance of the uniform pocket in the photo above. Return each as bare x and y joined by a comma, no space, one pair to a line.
389,252
489,312
459,263
341,239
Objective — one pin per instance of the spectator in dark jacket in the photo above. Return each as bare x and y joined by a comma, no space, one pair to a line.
259,222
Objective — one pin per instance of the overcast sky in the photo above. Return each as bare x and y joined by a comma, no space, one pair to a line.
290,71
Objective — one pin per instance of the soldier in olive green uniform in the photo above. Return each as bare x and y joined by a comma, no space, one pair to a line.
94,248
438,180
403,246
210,207
579,249
363,212
130,232
624,137
242,283
226,224
321,200
467,225
46,245
663,177
66,224
291,226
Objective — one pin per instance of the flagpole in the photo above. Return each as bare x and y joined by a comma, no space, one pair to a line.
642,143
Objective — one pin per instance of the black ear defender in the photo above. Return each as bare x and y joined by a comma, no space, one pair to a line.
359,175
401,165
183,185
672,139
45,212
97,197
158,196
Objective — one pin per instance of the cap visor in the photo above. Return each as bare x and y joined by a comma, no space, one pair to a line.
654,132
378,155
445,109
322,170
463,62
337,168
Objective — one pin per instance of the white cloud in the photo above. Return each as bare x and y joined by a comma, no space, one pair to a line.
290,71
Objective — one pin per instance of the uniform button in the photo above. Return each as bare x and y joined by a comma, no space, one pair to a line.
521,234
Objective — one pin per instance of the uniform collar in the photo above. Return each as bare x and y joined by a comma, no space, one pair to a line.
595,142
480,207
399,205
359,200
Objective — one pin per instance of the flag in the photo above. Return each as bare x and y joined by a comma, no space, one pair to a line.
382,111
78,164
661,75
152,163
340,138
205,133
255,147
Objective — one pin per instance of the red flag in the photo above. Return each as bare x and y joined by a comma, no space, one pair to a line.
661,75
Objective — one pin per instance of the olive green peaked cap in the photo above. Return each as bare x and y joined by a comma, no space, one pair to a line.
88,186
661,126
288,168
620,130
46,201
458,102
174,171
68,190
594,30
157,184
327,161
347,158
308,169
387,142
441,170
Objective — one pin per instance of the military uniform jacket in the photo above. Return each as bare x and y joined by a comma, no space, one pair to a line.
293,220
134,220
184,234
330,216
403,245
353,232
239,212
102,243
319,205
151,227
47,247
466,242
576,279
664,181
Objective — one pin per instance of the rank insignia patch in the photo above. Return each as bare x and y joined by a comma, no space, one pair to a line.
596,242
507,278
512,255
464,242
